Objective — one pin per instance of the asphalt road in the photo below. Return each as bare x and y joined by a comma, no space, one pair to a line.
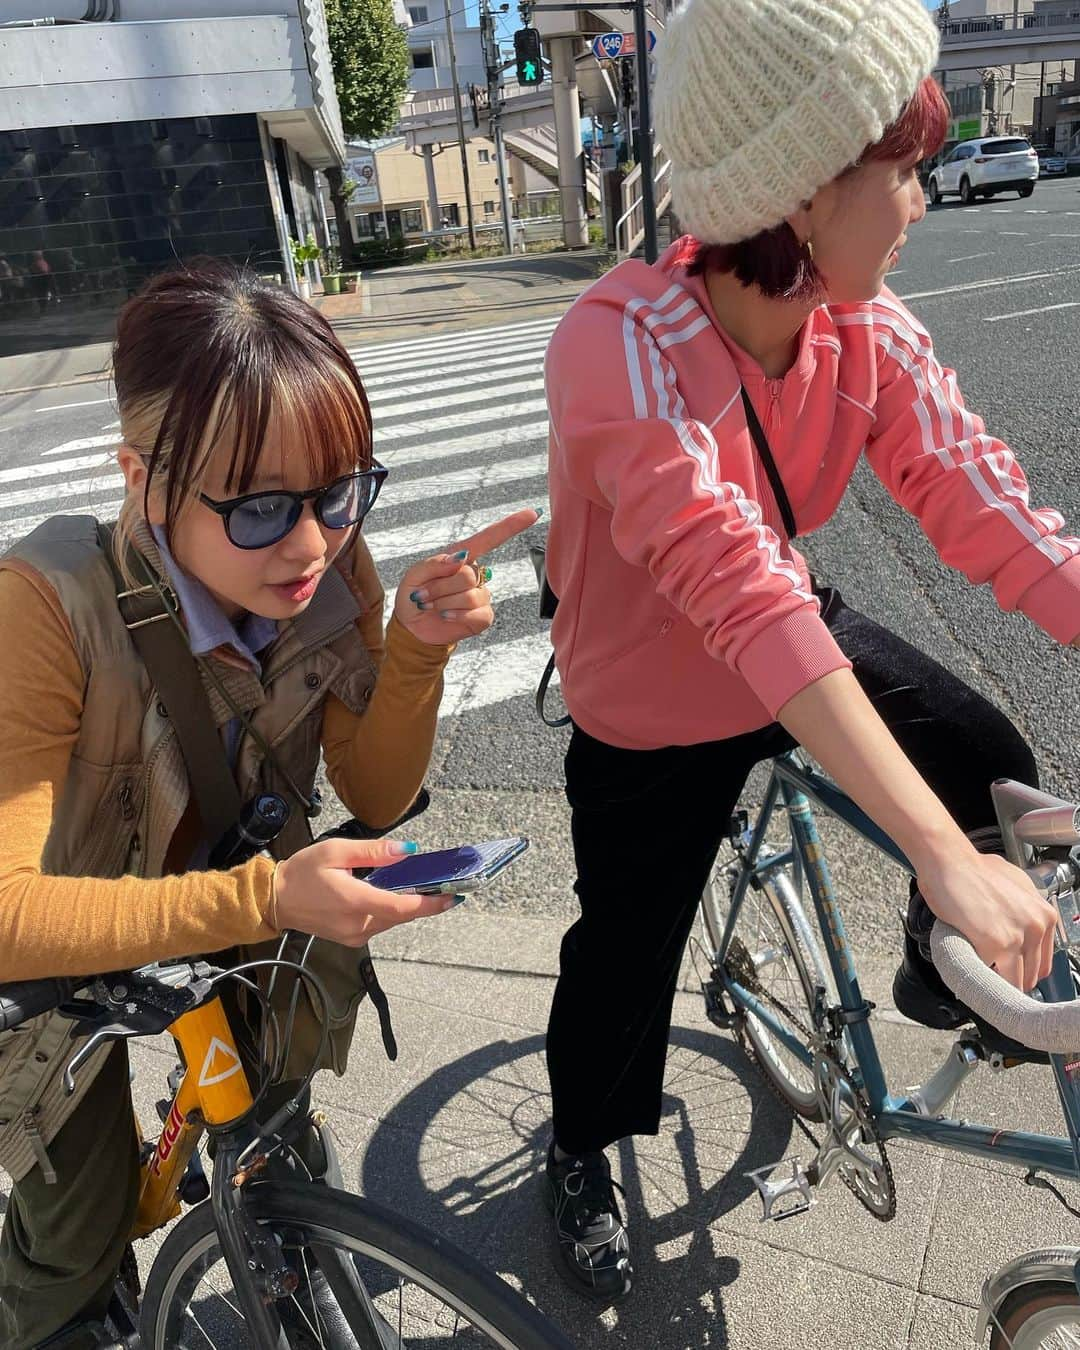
460,421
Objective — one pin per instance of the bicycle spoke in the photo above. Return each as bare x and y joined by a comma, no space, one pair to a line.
202,1330
317,1328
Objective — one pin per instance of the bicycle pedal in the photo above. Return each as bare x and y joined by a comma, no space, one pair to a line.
716,1008
785,1197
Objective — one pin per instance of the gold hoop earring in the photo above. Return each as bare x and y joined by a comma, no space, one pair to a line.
810,249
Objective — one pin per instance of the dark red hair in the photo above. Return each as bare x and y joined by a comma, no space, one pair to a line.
774,260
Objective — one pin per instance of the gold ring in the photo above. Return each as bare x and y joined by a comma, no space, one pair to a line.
481,574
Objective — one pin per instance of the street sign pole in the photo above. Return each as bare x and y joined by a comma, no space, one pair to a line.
463,145
491,62
645,155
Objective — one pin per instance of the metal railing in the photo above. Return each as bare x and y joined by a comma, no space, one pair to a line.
630,227
420,104
956,29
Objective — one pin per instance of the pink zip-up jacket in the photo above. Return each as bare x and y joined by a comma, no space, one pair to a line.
684,615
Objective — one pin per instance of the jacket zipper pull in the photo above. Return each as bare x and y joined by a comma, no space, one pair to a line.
41,1153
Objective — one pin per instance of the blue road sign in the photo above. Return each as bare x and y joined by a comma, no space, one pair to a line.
612,46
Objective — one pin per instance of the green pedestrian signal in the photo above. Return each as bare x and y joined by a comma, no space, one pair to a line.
530,66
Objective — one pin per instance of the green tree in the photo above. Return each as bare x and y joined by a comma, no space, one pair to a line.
371,74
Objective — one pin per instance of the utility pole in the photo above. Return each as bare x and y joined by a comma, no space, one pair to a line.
645,155
460,124
492,66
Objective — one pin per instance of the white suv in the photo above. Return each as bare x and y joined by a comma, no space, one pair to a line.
991,164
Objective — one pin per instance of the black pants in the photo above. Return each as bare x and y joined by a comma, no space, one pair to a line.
636,812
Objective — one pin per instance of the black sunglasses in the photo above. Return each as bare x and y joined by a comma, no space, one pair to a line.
260,519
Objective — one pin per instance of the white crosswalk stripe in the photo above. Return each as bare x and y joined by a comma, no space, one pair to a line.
460,420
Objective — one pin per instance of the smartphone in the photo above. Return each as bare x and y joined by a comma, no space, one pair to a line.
450,870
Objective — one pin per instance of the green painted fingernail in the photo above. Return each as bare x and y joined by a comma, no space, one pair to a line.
460,557
458,899
410,847
539,510
418,597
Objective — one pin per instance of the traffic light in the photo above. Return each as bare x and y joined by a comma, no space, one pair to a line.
530,67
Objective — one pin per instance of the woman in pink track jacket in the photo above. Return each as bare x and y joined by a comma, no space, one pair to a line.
690,638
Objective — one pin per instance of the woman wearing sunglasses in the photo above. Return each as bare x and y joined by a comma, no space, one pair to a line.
246,449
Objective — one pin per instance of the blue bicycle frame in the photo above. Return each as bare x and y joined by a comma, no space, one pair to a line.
895,1117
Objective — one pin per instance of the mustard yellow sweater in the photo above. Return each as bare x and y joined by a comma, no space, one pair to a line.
53,925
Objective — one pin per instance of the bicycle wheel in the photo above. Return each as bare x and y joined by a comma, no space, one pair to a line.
774,952
425,1293
1041,1316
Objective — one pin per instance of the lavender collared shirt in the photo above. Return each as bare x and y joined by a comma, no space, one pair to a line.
208,627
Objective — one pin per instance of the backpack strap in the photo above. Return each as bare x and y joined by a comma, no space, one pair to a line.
773,474
148,613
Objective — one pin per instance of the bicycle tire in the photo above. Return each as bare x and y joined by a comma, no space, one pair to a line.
1035,1312
770,911
325,1217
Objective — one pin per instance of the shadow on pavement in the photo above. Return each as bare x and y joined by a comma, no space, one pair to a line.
464,1152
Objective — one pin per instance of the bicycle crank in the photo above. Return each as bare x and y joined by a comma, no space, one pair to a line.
852,1147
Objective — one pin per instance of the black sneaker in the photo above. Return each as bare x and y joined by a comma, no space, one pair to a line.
920,993
594,1248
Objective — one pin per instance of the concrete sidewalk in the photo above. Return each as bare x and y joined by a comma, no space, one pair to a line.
393,304
455,1134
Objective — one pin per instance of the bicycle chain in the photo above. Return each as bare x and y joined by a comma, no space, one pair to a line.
746,975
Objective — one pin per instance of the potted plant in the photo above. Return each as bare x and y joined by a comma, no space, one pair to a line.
331,283
304,253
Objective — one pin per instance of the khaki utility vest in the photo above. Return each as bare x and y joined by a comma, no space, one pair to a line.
127,786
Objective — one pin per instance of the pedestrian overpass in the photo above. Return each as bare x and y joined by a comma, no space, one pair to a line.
1010,39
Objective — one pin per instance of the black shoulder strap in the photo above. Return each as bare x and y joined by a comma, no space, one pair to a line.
775,481
174,673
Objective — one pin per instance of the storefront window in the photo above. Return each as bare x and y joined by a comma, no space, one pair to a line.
88,212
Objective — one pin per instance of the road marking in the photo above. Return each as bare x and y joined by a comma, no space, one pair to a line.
411,490
54,467
453,421
1063,236
1001,210
993,281
398,351
968,257
480,676
449,351
422,537
82,443
431,452
60,407
481,385
531,359
423,405
1023,313
465,480
1015,234
1034,211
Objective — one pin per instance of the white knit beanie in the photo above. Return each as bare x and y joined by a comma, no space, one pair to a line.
761,102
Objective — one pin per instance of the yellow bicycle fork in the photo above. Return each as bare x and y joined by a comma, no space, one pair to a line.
213,1091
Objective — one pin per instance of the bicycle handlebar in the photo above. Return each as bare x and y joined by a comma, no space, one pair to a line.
1053,1028
24,999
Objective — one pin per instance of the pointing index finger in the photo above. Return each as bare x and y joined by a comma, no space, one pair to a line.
492,536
